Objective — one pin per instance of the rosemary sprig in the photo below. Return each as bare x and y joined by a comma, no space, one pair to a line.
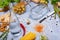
4,34
56,9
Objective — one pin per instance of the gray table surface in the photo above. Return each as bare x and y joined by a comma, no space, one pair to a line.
50,24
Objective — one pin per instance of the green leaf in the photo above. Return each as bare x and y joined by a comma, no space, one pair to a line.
47,1
54,1
1,4
17,0
4,3
12,1
56,9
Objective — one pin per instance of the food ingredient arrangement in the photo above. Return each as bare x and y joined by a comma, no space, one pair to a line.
20,8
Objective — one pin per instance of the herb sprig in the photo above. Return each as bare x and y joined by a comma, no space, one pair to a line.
56,9
4,3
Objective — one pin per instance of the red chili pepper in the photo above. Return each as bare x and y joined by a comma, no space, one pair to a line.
22,26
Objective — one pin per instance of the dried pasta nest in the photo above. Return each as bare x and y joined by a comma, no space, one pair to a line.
3,27
4,21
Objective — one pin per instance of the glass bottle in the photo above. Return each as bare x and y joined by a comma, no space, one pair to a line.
14,23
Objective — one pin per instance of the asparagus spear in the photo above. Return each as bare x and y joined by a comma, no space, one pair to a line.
4,34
